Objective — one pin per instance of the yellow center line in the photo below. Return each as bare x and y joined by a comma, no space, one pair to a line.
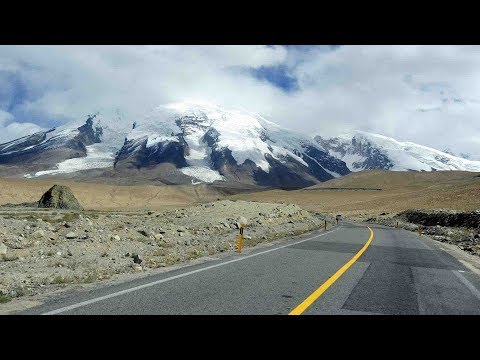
317,293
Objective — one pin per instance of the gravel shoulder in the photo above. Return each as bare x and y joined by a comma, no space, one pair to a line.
462,232
44,253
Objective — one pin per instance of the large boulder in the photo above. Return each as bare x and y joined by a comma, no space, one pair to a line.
59,197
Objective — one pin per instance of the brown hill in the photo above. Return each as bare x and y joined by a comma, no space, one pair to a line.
95,196
399,191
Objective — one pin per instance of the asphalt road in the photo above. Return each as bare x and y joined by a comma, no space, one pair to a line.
398,273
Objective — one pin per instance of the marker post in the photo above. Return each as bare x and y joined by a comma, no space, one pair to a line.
240,238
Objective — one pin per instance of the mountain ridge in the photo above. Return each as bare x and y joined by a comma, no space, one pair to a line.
366,151
193,143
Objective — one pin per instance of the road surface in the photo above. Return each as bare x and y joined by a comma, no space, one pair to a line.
352,269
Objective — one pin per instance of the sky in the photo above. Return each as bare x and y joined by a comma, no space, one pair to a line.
425,94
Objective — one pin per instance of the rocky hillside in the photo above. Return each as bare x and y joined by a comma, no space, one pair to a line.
457,228
470,220
42,251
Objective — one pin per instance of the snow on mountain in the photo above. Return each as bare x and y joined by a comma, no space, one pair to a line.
183,143
239,131
96,158
178,143
362,150
79,145
202,173
220,144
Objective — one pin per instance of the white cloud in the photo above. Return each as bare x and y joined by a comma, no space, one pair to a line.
15,130
5,117
9,129
374,88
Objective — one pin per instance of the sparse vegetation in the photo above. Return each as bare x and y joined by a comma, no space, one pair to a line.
62,279
49,218
193,254
5,298
89,278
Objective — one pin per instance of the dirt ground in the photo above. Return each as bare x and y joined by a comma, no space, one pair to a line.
44,250
96,196
400,191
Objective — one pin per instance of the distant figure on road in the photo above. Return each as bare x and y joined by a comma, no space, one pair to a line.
338,218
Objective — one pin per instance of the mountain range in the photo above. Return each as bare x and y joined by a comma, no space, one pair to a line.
184,143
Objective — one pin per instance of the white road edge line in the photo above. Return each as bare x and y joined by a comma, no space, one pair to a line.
126,291
468,284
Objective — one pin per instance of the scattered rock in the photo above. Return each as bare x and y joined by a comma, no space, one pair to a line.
53,237
38,234
143,232
60,197
3,249
137,259
204,232
71,235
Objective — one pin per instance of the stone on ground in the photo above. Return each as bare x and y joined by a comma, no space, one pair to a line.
59,197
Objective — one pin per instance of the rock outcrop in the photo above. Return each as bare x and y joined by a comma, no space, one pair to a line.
59,197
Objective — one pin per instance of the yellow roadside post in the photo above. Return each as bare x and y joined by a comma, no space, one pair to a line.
419,230
240,238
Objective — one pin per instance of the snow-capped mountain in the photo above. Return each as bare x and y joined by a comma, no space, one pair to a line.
362,151
178,143
208,143
64,149
185,143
